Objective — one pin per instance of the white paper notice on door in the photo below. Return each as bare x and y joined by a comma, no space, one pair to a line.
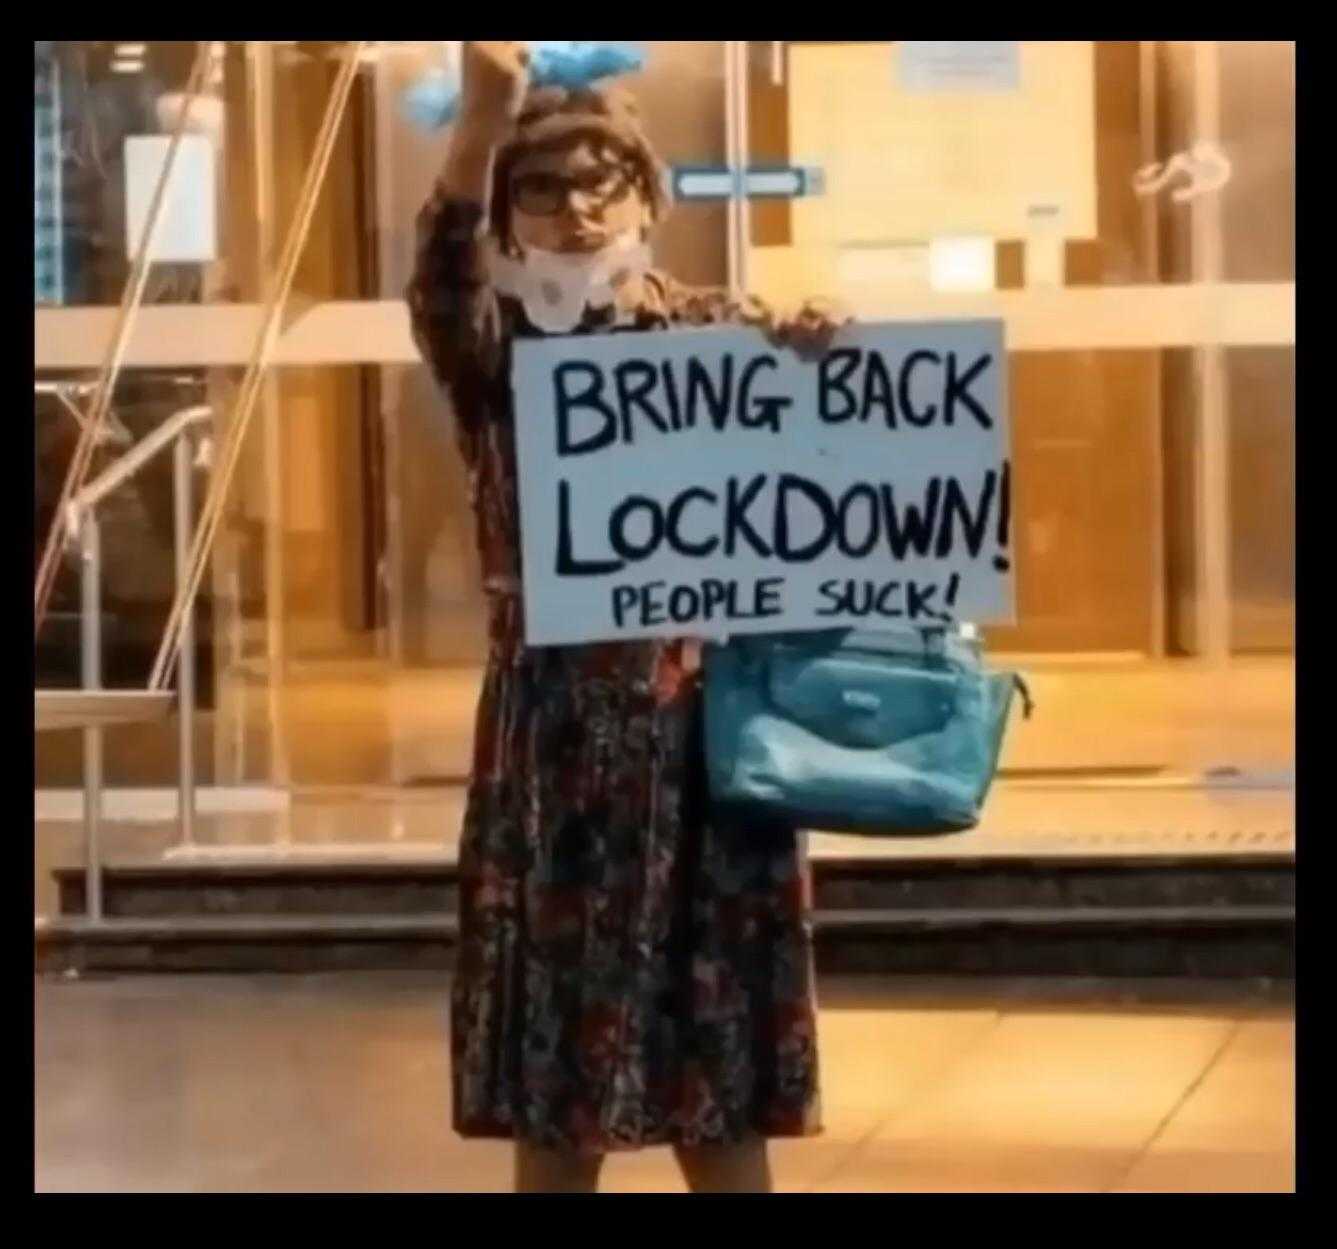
188,231
960,65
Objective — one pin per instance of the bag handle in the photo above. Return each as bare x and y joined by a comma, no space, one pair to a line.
934,638
932,641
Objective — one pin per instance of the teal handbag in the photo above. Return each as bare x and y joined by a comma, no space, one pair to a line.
876,733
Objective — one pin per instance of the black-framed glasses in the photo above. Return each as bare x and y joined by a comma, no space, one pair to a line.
544,194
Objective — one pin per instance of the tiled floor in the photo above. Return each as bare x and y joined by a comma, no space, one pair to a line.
340,1084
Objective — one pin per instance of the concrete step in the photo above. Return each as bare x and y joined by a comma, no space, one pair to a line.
1196,942
408,887
1231,917
279,889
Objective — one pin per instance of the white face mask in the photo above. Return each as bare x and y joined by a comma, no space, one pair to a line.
557,287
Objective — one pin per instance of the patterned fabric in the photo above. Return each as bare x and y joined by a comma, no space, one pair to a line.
630,972
48,208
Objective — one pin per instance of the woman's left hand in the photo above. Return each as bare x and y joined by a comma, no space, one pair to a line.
809,331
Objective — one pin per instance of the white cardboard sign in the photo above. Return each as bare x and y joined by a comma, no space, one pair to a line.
700,483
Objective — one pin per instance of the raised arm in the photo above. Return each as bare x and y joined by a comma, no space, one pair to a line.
452,307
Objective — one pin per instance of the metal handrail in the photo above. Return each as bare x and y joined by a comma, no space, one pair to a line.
140,454
113,432
82,526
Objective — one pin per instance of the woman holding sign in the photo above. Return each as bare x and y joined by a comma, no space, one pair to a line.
630,973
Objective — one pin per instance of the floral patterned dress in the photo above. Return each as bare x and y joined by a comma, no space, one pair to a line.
630,972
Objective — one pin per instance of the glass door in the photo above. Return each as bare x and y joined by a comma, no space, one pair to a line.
1126,207
340,621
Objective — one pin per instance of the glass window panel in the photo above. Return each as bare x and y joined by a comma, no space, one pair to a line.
1154,487
341,620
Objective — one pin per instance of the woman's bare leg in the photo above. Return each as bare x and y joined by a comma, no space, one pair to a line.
541,1170
741,1168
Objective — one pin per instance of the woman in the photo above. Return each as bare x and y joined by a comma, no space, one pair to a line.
629,973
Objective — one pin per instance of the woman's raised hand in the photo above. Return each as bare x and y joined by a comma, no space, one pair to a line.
808,332
495,78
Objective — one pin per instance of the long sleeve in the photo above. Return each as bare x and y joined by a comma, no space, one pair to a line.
453,309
